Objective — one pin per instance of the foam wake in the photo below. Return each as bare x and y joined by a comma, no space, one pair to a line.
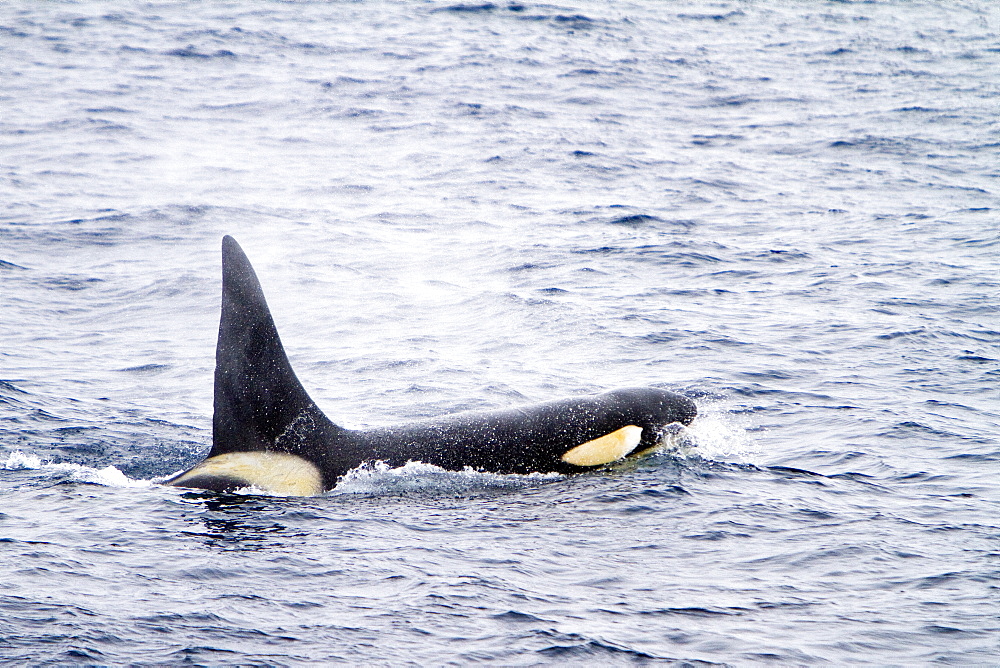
109,476
417,477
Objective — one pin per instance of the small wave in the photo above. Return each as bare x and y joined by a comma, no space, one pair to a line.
636,219
10,265
468,9
145,368
109,476
191,52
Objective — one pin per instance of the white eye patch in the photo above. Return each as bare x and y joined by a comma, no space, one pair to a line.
604,449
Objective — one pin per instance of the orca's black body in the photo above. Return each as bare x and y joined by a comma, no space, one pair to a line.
268,432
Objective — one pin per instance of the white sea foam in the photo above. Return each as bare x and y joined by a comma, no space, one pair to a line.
18,460
380,478
109,476
719,435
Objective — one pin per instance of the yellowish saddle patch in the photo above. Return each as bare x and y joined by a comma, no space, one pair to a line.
275,472
604,449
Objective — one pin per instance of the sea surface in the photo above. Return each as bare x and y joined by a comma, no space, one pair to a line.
788,210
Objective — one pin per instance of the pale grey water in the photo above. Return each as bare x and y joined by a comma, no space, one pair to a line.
787,210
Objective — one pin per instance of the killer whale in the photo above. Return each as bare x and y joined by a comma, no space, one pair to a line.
268,433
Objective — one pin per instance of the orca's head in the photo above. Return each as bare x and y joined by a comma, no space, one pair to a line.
655,407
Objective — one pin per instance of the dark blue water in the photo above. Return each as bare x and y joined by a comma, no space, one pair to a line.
787,210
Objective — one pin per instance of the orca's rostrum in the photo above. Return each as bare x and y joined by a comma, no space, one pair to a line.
269,434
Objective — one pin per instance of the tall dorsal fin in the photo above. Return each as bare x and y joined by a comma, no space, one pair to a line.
259,402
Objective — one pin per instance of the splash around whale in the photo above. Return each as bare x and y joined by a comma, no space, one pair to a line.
268,433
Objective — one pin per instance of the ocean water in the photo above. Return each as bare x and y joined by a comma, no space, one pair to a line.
787,210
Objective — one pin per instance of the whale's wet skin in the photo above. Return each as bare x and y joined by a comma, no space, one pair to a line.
268,434
786,212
